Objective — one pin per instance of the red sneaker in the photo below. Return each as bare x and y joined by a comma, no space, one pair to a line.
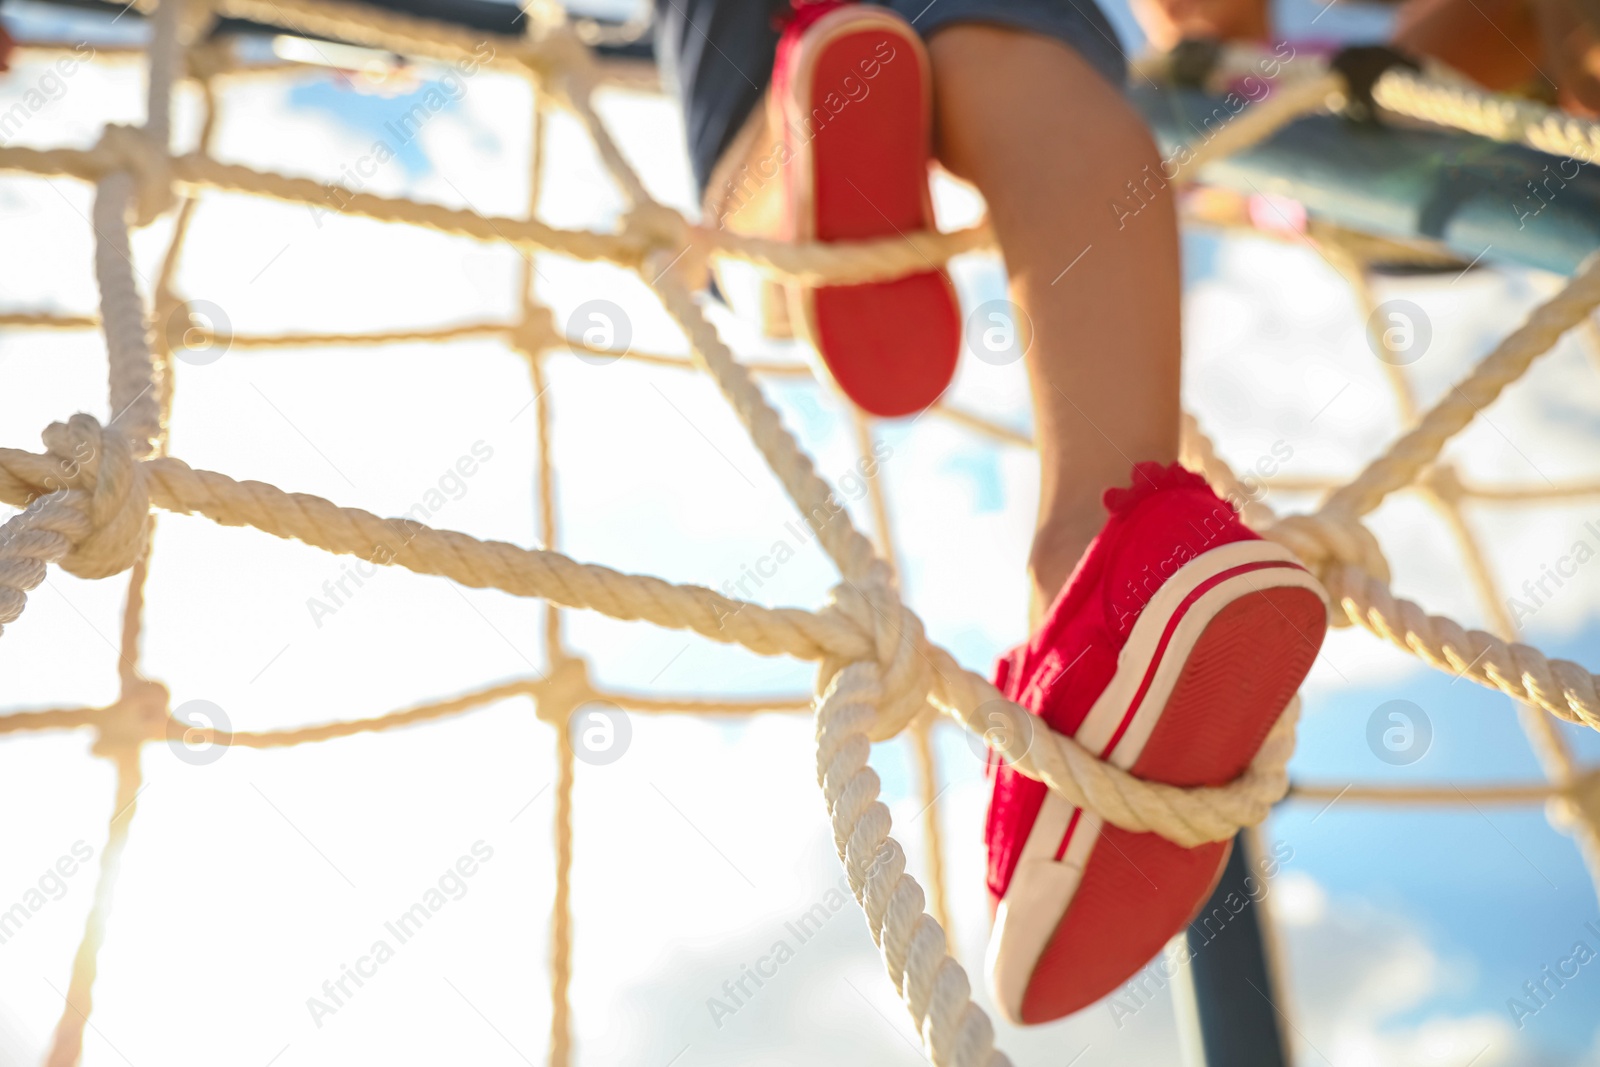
852,96
1171,651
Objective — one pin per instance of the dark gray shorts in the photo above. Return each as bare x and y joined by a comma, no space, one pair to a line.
718,53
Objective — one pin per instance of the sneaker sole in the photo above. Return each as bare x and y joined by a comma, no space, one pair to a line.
891,347
1212,661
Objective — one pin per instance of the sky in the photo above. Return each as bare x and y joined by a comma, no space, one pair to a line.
252,880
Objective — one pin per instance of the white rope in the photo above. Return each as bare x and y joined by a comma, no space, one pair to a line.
87,498
955,1032
135,398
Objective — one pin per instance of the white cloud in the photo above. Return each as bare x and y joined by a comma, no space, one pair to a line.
1357,975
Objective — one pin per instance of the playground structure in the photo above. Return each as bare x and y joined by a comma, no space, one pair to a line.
87,498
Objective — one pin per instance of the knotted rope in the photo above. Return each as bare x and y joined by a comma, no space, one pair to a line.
954,1030
90,513
145,159
905,671
87,499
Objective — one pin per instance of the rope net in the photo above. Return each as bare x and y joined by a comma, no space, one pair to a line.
86,503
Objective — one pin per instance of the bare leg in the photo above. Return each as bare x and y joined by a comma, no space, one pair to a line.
1052,147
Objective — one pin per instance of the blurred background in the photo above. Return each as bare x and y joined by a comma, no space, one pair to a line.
252,880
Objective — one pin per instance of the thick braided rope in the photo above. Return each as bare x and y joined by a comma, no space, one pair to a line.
519,232
843,262
1428,99
1323,542
197,171
1254,124
946,1016
1405,458
43,533
749,402
135,400
955,1032
851,262
849,631
891,634
165,55
85,507
174,486
788,481
1440,98
1461,106
1186,816
101,531
1561,687
104,476
850,550
866,594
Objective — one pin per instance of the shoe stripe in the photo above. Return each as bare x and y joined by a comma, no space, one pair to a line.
1155,662
1066,838
1166,638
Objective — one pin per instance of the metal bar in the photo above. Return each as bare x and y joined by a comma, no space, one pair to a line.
1233,988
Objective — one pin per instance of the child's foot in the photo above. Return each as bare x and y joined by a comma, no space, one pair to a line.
848,134
1172,650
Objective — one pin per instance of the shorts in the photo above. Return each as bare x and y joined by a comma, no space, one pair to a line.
718,54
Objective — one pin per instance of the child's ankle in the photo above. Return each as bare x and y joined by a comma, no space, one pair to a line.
1057,547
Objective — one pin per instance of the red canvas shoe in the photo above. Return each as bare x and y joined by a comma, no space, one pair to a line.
1173,648
852,97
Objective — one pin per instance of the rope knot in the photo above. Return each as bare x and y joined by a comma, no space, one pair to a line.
552,53
139,715
1442,480
535,331
1579,806
670,244
1325,541
100,463
565,686
895,635
150,165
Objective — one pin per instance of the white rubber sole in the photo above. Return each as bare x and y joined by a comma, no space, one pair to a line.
1117,729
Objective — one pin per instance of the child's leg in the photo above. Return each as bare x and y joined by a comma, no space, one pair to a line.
1052,146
